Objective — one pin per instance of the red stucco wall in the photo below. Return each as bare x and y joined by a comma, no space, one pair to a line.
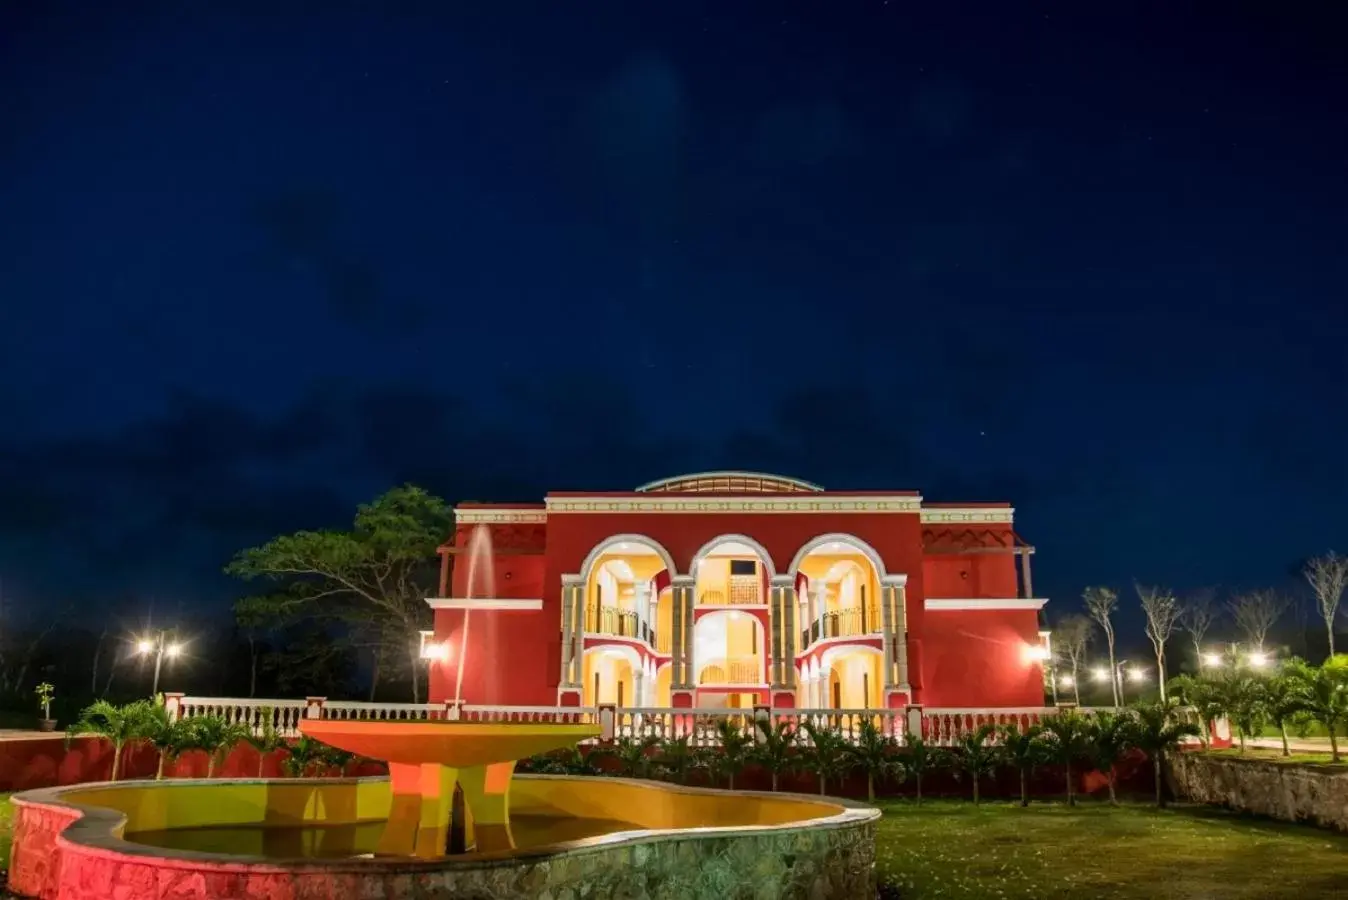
970,575
976,658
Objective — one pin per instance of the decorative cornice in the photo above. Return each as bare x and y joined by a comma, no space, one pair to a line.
1004,515
499,516
990,603
899,579
702,504
477,603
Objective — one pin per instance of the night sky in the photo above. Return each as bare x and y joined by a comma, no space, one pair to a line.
257,267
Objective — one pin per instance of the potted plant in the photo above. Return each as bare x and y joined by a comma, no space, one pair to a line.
45,692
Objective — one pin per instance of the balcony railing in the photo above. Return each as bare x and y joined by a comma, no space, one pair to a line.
743,590
731,670
851,622
619,623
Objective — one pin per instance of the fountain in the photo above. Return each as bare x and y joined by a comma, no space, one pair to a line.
525,836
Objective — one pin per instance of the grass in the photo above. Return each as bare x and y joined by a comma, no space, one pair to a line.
1274,755
6,830
998,851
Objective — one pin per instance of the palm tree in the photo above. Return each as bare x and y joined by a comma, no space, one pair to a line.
735,746
119,725
977,755
828,754
678,757
169,736
1067,737
217,736
1204,696
1324,695
337,758
919,757
776,741
1025,750
877,754
266,740
1111,736
633,755
1242,696
1284,700
1158,730
304,755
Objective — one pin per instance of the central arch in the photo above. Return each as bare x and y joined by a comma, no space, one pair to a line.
720,539
614,544
842,539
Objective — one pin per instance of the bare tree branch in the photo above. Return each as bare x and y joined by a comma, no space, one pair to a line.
1200,614
1071,635
1100,604
1327,575
1255,613
1163,614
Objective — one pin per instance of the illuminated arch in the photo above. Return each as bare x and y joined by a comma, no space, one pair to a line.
847,540
759,549
607,545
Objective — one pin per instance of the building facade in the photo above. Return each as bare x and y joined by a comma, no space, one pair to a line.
735,589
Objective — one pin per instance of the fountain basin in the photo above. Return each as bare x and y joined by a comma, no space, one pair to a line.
649,840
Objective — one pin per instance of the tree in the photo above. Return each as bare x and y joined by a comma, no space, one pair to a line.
1327,575
977,755
1163,614
169,736
827,754
1198,617
1158,730
380,570
266,739
677,758
1242,698
634,755
877,754
1100,604
217,737
1067,736
1255,613
1025,750
1071,636
1324,692
1284,701
303,755
919,757
1204,696
1111,736
774,750
733,754
119,725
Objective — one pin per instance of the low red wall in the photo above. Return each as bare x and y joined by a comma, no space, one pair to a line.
36,762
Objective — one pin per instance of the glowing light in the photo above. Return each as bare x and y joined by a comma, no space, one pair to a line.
144,646
1258,660
1137,674
1212,660
435,652
1036,654
1067,681
1100,674
173,649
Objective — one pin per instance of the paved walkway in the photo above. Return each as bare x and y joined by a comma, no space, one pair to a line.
1304,745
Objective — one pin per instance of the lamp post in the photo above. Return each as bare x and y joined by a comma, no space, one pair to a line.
160,645
1102,673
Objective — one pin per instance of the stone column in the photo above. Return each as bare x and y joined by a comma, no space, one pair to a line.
782,606
1026,585
573,603
819,595
894,619
641,603
638,684
681,679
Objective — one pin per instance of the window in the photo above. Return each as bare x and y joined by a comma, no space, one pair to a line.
744,567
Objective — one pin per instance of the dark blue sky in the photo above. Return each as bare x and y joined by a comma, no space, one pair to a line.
255,267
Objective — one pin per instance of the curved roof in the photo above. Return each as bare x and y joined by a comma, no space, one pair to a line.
730,482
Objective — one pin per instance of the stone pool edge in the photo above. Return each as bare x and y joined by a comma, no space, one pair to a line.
69,851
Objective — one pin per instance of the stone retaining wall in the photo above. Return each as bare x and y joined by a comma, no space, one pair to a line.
1293,792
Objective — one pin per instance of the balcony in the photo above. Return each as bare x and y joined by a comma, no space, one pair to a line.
619,623
853,622
742,590
731,670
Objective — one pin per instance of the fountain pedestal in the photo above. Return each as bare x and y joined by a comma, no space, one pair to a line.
427,760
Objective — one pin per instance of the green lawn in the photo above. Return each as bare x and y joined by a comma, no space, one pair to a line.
950,849
6,812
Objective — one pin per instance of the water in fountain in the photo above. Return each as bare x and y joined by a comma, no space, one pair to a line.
481,583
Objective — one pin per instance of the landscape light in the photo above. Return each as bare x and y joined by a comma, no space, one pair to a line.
1137,674
144,645
1036,653
1212,660
1258,660
173,649
1100,674
435,652
1066,681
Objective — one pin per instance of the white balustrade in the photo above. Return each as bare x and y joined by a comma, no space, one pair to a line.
285,714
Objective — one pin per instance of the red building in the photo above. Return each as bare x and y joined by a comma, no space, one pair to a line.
736,588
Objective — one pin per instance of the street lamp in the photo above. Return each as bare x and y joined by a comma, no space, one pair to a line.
160,646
